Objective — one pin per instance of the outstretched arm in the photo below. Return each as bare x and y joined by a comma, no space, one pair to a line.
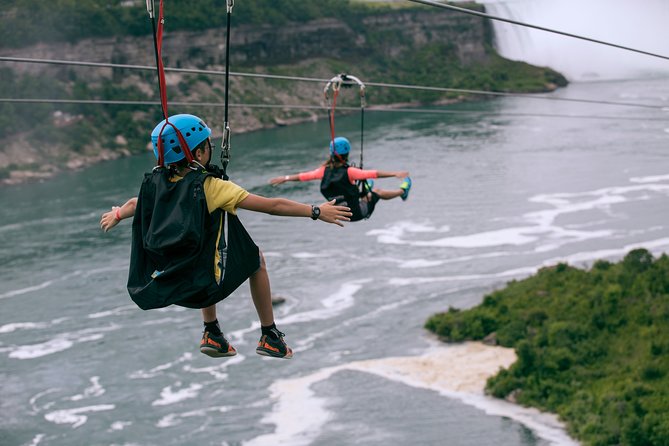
315,174
282,179
330,213
113,217
392,173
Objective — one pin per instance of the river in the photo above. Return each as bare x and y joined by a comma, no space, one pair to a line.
498,193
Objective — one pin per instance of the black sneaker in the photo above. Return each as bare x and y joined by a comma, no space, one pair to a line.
274,346
216,346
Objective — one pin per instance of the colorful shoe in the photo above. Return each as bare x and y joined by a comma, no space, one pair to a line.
406,187
274,346
216,346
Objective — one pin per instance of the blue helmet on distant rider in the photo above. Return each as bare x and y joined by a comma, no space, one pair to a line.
193,129
341,146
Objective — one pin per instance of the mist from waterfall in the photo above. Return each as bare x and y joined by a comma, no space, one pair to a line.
640,25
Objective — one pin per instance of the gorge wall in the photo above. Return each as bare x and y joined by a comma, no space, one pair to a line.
416,45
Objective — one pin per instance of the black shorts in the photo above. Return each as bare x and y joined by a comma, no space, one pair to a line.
367,206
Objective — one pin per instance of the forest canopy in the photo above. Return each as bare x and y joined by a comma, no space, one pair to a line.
592,346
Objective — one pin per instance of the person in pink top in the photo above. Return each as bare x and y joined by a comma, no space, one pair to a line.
338,181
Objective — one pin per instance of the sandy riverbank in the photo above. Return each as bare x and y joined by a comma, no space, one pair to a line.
458,371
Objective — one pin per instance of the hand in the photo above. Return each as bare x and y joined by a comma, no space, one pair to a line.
402,174
330,213
108,219
278,180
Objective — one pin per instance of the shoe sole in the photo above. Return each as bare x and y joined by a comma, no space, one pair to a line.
212,352
274,355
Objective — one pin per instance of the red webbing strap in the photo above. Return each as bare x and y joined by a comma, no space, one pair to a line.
335,92
163,95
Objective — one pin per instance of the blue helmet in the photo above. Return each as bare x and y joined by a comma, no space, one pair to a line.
193,129
341,146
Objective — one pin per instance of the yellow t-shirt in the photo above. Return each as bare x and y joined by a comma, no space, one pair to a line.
223,194
226,195
220,194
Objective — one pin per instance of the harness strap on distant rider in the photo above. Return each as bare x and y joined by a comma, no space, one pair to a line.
336,83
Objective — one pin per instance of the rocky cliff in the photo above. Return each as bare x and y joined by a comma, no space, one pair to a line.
418,46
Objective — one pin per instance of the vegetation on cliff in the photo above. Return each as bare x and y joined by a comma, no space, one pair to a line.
25,22
592,346
46,136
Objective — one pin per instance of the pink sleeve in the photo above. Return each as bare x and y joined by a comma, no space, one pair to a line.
315,174
355,174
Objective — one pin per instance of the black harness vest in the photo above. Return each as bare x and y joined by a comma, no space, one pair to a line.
174,243
337,185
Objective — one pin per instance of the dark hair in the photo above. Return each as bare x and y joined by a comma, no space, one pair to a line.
184,162
336,161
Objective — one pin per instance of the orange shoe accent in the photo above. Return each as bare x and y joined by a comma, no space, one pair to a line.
209,341
269,347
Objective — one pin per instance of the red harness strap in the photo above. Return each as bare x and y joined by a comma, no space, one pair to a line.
163,96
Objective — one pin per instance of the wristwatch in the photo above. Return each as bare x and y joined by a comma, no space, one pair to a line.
315,212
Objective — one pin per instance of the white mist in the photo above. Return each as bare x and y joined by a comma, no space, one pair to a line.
640,24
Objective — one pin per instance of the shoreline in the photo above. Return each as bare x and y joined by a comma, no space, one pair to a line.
23,174
433,370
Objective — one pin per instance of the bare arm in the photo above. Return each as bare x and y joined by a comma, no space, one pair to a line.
330,213
113,217
282,179
392,173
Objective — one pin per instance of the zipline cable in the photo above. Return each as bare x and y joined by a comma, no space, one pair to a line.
225,140
317,107
318,80
541,28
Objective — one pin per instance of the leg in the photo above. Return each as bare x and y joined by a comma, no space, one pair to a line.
209,314
262,294
271,340
385,194
213,342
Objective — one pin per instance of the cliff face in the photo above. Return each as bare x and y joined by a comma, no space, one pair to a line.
444,47
389,34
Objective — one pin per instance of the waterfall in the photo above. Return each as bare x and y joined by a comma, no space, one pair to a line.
636,24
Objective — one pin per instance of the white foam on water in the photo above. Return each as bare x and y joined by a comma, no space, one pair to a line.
297,414
217,371
501,237
161,321
516,272
541,223
421,263
333,304
75,417
457,371
650,179
119,426
306,342
40,286
36,440
175,419
656,247
158,370
33,401
113,312
169,396
308,255
94,390
59,343
394,233
8,328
